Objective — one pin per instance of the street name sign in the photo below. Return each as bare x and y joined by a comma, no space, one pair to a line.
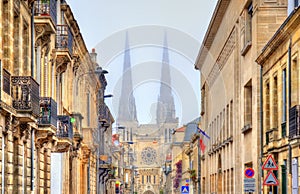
249,185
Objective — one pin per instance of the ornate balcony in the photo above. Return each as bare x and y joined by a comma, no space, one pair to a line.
45,14
104,116
48,112
26,95
64,133
47,120
65,128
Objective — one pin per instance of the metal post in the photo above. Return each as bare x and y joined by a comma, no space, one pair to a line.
199,166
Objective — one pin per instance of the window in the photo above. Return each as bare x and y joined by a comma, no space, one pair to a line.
203,100
16,48
275,103
283,125
248,104
284,177
267,106
88,96
246,29
294,82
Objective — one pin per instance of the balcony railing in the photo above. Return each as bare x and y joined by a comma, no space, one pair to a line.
26,94
104,114
64,128
45,8
64,38
48,112
6,81
294,121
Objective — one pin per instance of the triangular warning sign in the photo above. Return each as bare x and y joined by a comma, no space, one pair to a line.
271,179
270,164
185,190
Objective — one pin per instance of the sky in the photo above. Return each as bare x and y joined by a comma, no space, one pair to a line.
104,25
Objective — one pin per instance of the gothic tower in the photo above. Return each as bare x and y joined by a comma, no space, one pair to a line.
165,112
127,108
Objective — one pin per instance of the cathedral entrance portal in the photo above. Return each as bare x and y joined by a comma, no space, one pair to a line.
148,192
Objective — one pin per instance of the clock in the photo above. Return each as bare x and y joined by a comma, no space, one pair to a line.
148,155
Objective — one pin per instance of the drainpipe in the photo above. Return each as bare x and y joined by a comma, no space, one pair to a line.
32,75
290,98
32,161
3,162
261,130
88,176
32,39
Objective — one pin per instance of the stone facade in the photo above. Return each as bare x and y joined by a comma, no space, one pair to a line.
50,110
235,36
280,68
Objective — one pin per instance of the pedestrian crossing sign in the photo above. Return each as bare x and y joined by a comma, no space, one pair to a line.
270,164
184,189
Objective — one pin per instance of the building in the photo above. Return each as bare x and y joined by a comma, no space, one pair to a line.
230,80
50,110
145,146
279,61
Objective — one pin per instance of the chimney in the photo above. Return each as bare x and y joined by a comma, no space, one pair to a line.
93,55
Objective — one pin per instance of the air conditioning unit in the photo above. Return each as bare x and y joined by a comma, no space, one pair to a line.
294,121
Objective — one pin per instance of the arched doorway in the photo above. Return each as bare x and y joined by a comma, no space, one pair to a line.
148,192
220,181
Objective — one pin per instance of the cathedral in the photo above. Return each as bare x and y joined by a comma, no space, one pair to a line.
146,145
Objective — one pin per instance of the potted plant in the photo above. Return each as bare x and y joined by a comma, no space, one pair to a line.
193,175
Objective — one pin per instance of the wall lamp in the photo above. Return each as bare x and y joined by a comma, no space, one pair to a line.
97,71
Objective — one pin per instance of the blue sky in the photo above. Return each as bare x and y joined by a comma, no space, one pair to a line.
104,24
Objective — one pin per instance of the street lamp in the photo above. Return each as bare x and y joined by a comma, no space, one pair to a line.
99,70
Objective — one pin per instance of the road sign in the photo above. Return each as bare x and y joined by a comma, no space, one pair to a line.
271,179
249,185
249,172
184,189
270,164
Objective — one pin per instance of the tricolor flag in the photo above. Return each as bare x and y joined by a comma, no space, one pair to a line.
202,145
202,132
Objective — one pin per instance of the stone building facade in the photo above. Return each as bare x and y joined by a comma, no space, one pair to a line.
230,90
50,111
280,70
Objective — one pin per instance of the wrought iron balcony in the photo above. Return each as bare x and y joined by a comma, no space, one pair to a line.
46,8
64,38
65,128
294,122
104,116
48,112
26,94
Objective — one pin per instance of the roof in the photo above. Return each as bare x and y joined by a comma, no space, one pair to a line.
211,32
191,129
181,129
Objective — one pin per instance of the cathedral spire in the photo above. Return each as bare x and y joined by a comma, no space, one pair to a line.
165,107
127,108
